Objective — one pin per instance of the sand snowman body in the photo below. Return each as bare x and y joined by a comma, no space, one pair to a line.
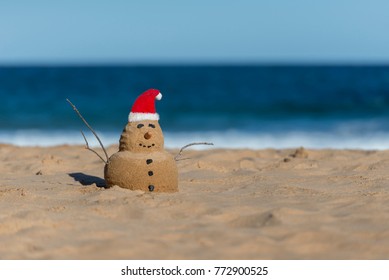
142,162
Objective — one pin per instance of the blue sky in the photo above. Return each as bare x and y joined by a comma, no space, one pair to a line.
198,31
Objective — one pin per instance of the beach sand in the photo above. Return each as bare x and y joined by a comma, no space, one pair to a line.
232,204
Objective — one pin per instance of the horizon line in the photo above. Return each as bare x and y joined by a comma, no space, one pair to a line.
87,64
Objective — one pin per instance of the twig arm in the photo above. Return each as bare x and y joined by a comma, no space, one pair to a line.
90,149
177,157
91,129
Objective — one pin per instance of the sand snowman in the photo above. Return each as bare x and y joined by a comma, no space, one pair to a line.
142,162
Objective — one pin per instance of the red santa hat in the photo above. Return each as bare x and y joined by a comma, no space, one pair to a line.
144,106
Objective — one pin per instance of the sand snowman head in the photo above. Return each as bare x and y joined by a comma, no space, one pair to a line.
143,133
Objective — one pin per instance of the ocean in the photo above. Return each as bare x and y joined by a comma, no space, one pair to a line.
231,106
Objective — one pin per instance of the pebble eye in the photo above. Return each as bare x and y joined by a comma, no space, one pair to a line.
140,125
151,125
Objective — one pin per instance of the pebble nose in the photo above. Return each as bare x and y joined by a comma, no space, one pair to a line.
147,136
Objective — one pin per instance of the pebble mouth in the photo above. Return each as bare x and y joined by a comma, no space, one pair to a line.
146,146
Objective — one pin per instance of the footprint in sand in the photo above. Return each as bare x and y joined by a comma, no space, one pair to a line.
248,164
255,220
298,153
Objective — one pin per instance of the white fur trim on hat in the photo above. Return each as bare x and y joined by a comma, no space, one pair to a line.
136,117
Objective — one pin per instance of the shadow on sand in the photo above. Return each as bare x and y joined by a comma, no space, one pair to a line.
87,180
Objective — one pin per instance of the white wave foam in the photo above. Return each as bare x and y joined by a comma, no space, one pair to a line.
45,138
227,139
292,139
